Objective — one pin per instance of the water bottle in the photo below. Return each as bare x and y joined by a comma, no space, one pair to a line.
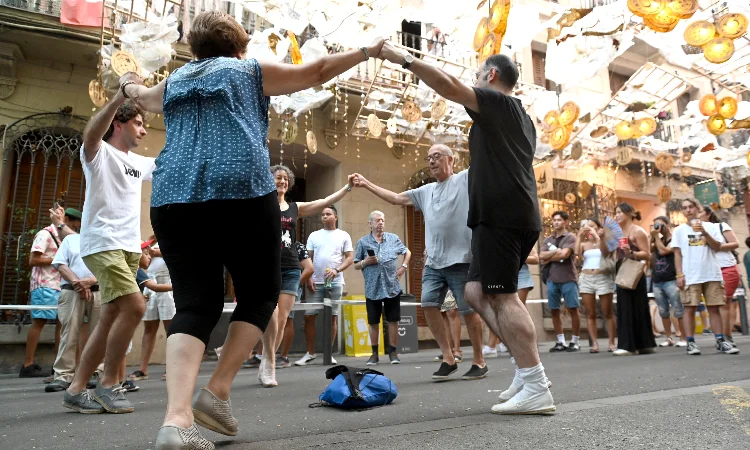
328,282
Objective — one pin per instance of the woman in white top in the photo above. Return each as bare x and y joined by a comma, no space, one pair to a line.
728,263
592,247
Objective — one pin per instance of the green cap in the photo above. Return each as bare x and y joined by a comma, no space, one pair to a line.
74,213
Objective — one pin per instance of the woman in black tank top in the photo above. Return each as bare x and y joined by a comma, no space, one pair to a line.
290,266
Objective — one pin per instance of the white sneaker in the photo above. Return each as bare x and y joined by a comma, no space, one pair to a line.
502,348
681,343
333,361
667,343
515,387
526,402
267,374
489,351
621,352
304,360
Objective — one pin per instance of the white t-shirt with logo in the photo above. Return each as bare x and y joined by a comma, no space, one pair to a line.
699,261
726,259
329,247
112,210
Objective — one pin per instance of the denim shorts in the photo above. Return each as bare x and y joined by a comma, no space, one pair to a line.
558,291
321,292
44,296
524,278
290,281
667,295
436,282
300,290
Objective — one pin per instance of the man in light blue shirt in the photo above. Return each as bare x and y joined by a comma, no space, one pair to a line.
377,257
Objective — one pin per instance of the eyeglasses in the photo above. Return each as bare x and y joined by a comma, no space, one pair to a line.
475,76
434,157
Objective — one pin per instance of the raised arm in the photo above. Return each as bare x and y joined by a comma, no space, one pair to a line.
444,84
56,215
316,207
282,79
389,196
149,98
98,126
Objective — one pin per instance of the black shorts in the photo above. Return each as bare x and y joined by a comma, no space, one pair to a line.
392,310
497,256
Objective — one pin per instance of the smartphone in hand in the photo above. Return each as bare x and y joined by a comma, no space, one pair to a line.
370,252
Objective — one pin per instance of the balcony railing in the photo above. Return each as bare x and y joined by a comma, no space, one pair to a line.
46,7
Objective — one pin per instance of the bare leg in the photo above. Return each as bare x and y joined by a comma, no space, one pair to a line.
589,301
454,322
82,339
506,312
447,325
609,318
677,324
716,326
556,322
375,334
32,340
689,321
123,366
286,302
704,320
310,334
184,354
240,340
150,328
474,327
493,340
437,327
575,318
93,352
392,335
334,329
286,342
667,324
726,319
267,369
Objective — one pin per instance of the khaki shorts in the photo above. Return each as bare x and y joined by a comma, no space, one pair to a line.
711,291
115,273
597,284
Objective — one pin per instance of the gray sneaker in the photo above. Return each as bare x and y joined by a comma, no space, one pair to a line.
171,437
57,386
112,399
83,402
213,413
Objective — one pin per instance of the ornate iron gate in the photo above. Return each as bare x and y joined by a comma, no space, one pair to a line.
41,164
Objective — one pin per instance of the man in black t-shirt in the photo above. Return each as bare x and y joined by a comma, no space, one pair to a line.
503,212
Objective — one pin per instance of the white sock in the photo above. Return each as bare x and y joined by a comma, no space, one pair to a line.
561,339
534,378
513,361
574,339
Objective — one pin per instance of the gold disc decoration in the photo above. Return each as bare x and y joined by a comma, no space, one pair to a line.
411,112
624,156
685,171
374,125
544,138
570,198
391,125
480,34
569,113
551,119
686,156
312,142
664,194
498,20
290,135
294,48
719,50
643,8
97,93
708,105
663,20
699,33
389,141
739,124
490,46
439,109
584,189
664,162
645,126
727,201
599,132
576,150
123,62
716,125
727,107
732,25
624,130
559,137
683,9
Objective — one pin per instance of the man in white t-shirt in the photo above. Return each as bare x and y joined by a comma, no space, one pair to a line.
695,244
332,252
111,248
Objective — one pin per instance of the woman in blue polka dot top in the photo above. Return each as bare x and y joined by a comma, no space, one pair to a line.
212,179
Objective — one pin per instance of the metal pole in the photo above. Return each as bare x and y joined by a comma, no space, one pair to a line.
327,334
743,314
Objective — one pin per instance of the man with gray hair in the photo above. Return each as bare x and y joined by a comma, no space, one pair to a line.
377,257
445,207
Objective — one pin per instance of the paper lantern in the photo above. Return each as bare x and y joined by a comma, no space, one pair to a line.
727,107
643,8
716,124
624,130
664,194
569,113
699,33
480,34
719,50
646,126
708,105
551,119
732,25
683,9
559,138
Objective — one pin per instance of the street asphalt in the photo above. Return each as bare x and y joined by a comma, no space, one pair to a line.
667,400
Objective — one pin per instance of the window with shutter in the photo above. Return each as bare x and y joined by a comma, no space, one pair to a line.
616,81
537,62
415,225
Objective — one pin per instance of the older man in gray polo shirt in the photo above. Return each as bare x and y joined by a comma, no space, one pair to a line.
445,206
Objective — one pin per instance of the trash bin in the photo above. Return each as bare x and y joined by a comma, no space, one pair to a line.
357,331
408,338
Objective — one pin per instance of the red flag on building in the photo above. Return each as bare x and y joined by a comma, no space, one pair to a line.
81,12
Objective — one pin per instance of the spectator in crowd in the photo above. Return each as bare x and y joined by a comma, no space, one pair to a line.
331,252
377,257
562,280
596,279
666,293
45,289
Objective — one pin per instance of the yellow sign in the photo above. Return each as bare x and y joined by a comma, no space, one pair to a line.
543,176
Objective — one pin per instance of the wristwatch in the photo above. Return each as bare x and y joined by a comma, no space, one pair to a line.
337,270
404,266
408,59
61,226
